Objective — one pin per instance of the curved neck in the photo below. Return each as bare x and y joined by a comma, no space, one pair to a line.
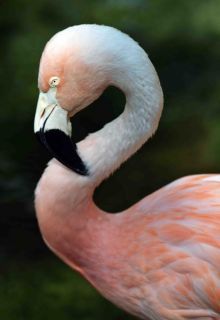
70,222
105,150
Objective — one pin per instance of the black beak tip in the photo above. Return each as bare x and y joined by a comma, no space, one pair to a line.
63,149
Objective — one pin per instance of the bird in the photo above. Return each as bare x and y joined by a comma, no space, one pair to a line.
158,259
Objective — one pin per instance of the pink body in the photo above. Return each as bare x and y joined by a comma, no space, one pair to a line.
159,259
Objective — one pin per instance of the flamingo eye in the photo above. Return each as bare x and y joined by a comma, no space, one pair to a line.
54,81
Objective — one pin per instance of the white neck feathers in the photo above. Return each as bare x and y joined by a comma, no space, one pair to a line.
105,150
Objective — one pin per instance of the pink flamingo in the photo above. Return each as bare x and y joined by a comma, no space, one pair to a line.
159,259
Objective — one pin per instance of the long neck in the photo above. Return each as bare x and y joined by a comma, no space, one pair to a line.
68,218
105,150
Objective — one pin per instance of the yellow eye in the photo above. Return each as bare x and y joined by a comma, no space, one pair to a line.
54,81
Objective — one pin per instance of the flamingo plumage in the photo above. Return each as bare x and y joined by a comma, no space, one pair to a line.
160,258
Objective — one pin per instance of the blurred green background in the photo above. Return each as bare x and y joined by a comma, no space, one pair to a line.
182,40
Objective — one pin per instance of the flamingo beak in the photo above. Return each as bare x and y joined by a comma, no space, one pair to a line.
53,128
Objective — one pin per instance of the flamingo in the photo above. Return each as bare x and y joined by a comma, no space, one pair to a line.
158,259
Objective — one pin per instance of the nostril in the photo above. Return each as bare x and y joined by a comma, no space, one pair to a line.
42,114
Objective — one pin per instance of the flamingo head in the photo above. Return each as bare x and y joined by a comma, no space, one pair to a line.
71,76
